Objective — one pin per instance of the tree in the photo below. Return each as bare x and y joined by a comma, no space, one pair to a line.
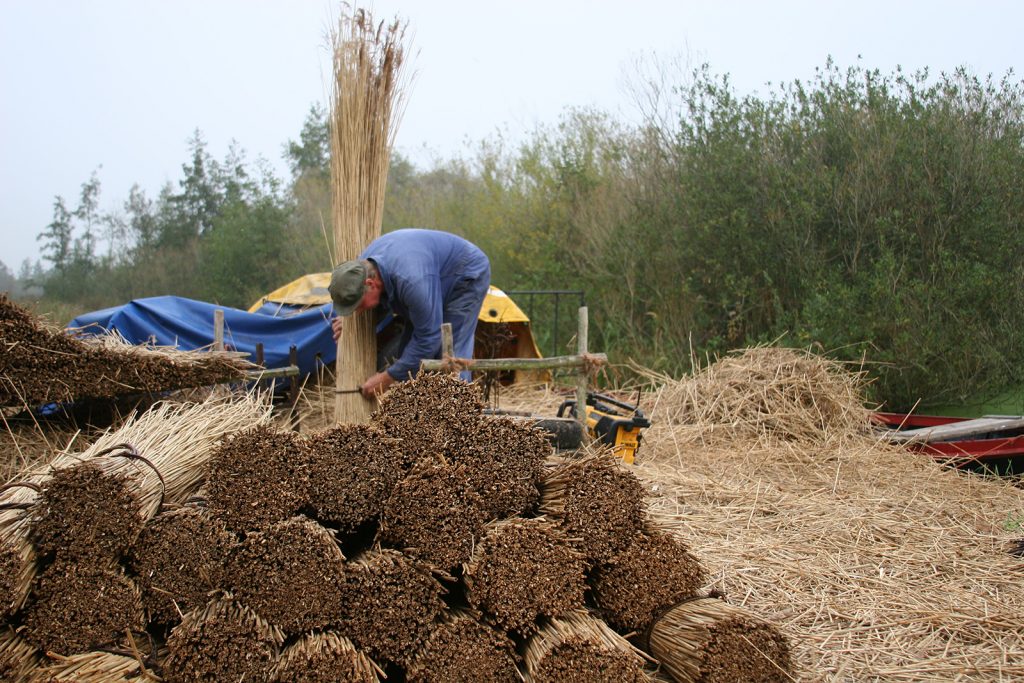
57,237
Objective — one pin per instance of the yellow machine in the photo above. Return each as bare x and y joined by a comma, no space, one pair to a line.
612,422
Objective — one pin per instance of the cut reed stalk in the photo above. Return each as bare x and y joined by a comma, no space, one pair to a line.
223,641
707,639
521,570
651,574
579,648
324,658
434,515
389,605
94,667
366,104
292,573
598,502
18,657
462,649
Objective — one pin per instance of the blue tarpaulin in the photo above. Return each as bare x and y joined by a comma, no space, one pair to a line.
188,324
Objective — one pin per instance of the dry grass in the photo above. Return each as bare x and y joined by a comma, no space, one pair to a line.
878,563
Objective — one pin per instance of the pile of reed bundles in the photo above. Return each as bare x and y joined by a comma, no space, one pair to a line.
43,364
406,570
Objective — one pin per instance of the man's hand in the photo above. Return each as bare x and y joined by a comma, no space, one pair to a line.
377,384
336,322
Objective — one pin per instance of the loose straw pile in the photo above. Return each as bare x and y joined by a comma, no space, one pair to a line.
366,105
324,657
461,648
521,570
578,648
710,640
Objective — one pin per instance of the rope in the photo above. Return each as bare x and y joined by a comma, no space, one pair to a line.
129,451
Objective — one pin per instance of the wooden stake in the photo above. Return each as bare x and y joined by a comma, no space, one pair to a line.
582,378
218,329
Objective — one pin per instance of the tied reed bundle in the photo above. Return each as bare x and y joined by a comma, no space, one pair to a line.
427,410
461,649
521,570
710,640
79,607
434,515
651,574
44,364
504,460
366,105
18,658
389,604
352,470
579,648
257,478
324,658
291,573
598,502
95,667
223,641
179,559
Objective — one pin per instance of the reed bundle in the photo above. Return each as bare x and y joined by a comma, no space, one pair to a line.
707,639
579,648
352,470
324,657
366,103
222,641
179,559
766,392
95,667
461,649
427,410
504,460
598,502
521,570
256,478
654,572
78,607
18,658
434,515
18,566
389,604
44,364
291,573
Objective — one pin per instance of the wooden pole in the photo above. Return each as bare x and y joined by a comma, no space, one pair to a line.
581,378
218,329
447,342
556,363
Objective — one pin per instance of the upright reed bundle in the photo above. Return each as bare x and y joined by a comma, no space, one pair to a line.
352,470
434,514
653,573
256,478
710,640
222,642
78,607
365,111
462,649
18,658
291,573
521,570
389,604
179,559
579,648
598,502
324,657
95,667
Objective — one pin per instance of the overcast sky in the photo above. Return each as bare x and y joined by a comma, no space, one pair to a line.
120,85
